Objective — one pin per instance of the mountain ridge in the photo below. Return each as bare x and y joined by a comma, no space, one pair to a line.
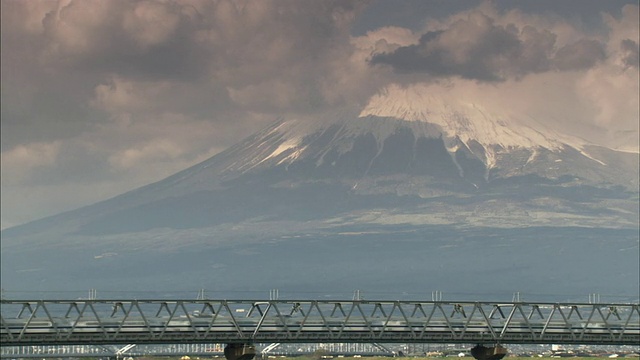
353,202
361,154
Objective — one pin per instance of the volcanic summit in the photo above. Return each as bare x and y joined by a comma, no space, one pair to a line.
410,177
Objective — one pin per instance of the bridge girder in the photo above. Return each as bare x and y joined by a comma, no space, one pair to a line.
25,322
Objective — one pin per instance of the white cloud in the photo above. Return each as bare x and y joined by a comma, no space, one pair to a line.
151,23
625,27
27,16
124,95
152,151
614,92
41,179
386,39
273,95
19,162
169,142
78,27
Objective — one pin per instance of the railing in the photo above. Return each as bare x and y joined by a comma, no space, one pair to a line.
25,322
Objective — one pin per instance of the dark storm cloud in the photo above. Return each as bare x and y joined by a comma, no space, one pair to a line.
582,54
479,49
448,52
630,56
67,65
119,37
189,39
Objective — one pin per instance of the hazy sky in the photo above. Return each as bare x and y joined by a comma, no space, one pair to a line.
100,97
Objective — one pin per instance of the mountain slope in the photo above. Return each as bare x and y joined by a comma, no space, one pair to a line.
343,163
411,171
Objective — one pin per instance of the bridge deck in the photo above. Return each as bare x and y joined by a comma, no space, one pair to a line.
25,322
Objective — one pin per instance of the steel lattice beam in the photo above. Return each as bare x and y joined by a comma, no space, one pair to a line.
25,322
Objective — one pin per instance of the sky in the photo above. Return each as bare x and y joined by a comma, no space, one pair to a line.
101,97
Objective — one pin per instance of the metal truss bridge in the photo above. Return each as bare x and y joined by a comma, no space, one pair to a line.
94,322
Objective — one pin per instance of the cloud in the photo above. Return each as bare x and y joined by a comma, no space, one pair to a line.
148,39
106,96
151,151
543,67
629,53
611,87
123,95
613,94
151,23
479,47
221,46
40,179
21,161
583,54
69,65
169,143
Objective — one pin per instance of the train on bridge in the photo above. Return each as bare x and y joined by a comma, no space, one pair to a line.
297,327
241,323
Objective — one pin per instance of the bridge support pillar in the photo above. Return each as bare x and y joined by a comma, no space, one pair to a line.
480,352
239,351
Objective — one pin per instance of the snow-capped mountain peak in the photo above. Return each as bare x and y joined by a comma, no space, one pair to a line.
411,132
464,121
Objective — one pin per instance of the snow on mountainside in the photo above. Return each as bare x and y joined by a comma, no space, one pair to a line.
412,131
467,122
406,149
505,144
414,181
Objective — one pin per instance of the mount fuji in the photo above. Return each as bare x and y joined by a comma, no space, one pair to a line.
413,184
